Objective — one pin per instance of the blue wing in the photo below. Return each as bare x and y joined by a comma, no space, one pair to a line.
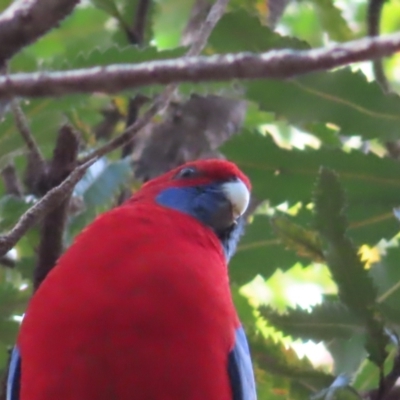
14,375
240,369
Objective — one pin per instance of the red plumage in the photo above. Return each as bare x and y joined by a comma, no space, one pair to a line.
139,307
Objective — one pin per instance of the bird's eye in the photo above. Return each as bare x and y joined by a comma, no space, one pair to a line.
187,172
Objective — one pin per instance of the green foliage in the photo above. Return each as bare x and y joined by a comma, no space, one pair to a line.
305,242
295,132
327,321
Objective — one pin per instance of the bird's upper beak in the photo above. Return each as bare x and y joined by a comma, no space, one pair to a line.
238,195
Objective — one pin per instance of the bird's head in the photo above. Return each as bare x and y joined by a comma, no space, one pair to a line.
215,192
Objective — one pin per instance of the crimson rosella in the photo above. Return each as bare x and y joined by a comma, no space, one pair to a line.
139,307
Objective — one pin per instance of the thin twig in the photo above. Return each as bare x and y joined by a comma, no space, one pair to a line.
11,182
162,101
23,128
215,14
275,64
42,207
24,21
128,134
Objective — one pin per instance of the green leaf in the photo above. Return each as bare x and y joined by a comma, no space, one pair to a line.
280,175
259,252
341,256
368,375
84,30
345,264
109,7
339,390
386,275
239,31
342,97
305,242
277,360
11,208
44,118
169,21
118,55
326,321
332,21
347,353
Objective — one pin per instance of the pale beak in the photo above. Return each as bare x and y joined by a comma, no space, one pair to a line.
238,195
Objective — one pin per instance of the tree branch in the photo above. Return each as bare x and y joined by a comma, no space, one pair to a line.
163,99
24,21
41,208
11,181
53,224
36,161
137,31
201,38
275,64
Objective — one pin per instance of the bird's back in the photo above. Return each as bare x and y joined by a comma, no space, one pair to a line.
138,308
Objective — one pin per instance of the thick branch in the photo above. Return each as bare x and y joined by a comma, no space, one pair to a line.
275,64
52,227
24,21
41,208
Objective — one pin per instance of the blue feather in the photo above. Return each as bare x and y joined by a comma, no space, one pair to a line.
240,369
14,375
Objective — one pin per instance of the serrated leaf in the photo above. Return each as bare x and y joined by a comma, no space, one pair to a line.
118,55
82,31
341,256
240,31
343,98
326,321
275,359
280,175
305,242
345,264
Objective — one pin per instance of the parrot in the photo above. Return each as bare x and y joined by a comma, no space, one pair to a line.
140,306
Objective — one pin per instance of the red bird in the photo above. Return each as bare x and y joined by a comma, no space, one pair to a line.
139,307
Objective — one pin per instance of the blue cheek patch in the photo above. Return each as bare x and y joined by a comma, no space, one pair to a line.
203,203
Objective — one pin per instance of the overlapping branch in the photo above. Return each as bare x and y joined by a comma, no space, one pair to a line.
41,208
275,64
24,21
